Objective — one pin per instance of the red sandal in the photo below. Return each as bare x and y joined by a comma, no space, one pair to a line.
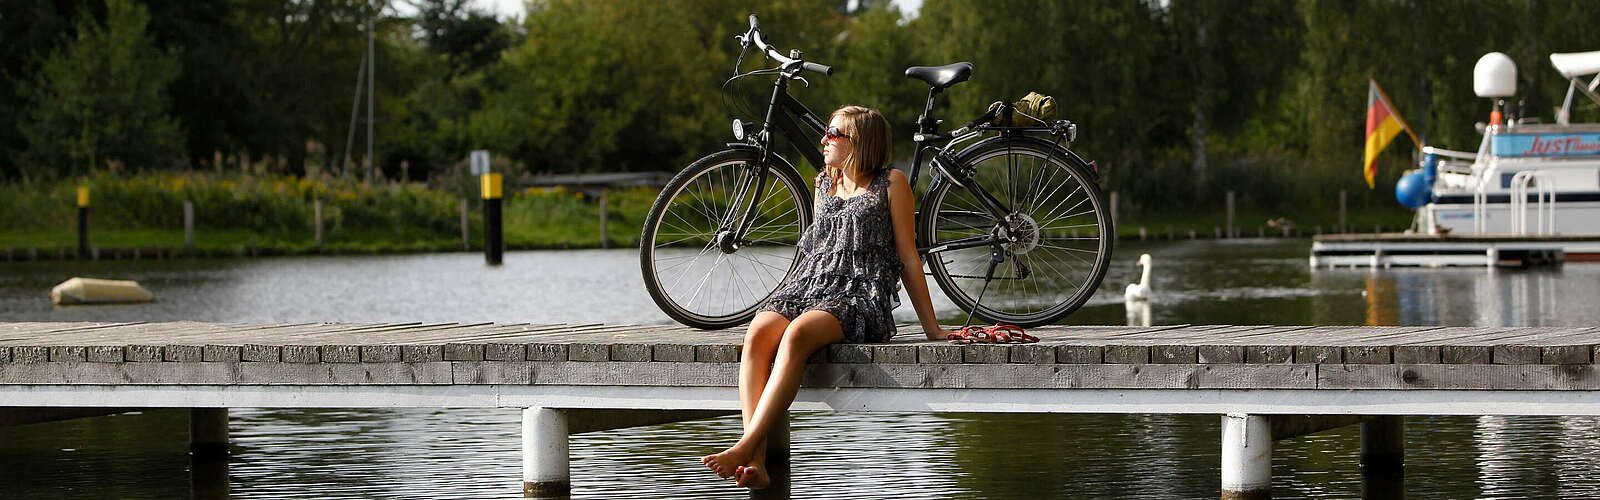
972,334
1010,334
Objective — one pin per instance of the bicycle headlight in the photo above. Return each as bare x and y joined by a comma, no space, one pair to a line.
738,130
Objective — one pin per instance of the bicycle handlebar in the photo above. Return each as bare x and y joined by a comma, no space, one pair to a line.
754,36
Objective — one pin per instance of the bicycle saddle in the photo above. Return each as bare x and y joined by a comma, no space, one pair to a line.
941,77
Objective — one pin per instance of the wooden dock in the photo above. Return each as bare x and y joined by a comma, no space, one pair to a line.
1246,373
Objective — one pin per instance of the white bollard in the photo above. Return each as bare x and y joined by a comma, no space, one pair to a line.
545,468
1246,457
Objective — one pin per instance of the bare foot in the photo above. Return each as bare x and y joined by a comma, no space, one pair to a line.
725,464
753,476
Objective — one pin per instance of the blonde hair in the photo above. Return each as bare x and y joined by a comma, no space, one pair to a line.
870,139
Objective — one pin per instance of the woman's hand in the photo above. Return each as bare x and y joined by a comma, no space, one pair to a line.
939,334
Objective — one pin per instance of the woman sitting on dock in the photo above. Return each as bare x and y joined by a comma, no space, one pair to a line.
843,289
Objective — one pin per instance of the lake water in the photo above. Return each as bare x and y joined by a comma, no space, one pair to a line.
475,453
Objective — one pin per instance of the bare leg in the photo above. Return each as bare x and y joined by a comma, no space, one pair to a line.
755,367
806,334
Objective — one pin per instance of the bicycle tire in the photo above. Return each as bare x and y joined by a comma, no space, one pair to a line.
1014,297
696,189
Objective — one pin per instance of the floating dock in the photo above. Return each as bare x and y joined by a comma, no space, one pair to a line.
1421,250
1267,382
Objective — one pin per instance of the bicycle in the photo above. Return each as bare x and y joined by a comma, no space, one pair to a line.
739,213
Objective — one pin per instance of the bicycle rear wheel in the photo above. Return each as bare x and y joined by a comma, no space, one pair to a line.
691,269
1058,252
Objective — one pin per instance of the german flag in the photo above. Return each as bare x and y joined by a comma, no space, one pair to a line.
1383,123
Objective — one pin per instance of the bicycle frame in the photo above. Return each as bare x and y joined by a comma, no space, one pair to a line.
790,115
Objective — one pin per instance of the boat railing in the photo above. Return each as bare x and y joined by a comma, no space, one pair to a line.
1545,214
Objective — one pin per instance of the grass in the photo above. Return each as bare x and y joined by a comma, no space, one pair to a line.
275,214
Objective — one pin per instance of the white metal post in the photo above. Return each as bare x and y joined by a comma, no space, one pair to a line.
1246,457
545,468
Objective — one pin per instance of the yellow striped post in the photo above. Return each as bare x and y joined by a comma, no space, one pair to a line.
83,222
493,246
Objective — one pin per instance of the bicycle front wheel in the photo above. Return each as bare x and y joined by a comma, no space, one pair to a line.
695,269
1056,254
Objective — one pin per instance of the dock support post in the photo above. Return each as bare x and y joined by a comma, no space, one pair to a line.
208,432
1383,444
1383,449
545,468
1246,457
778,443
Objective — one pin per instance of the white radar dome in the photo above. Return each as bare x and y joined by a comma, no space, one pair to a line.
1494,76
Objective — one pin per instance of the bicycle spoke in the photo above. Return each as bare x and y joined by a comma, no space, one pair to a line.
1062,270
696,289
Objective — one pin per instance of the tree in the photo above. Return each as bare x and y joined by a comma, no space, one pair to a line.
102,98
28,30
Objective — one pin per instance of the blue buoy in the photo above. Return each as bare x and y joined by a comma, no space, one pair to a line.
1415,189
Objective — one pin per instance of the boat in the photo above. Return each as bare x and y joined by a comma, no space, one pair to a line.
1530,194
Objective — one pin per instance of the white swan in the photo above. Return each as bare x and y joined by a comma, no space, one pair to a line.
1138,312
1138,292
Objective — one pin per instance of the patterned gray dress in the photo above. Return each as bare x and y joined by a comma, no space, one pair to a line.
848,266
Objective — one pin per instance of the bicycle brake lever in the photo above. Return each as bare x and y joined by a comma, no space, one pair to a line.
803,80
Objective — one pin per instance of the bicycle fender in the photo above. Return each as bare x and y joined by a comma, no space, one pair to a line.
1067,154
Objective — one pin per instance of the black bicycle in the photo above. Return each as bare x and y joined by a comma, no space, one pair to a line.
1013,226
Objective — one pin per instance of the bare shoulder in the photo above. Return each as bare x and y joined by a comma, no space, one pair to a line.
898,180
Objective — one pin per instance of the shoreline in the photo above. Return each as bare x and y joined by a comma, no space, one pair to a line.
65,253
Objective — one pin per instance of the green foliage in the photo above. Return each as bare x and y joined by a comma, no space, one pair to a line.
271,206
100,98
1178,101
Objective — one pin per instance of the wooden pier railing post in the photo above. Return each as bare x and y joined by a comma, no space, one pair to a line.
605,238
1246,457
1344,226
188,225
546,471
316,213
1115,219
1233,231
208,432
466,242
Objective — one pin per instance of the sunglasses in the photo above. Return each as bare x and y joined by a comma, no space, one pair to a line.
834,133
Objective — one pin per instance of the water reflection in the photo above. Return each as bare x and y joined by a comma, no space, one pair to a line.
1464,297
395,453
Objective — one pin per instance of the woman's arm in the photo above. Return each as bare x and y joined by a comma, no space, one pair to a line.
902,216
